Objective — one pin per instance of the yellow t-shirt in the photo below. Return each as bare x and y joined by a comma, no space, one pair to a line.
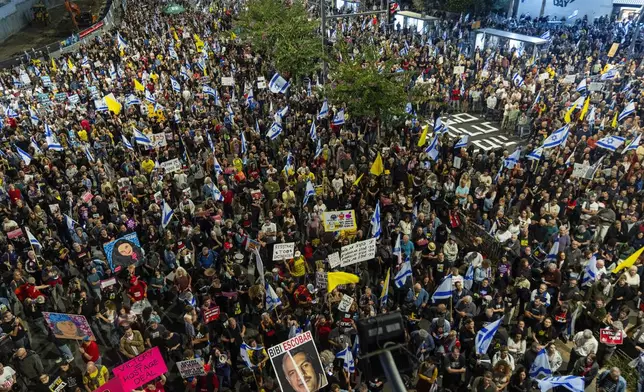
97,378
82,135
299,267
147,166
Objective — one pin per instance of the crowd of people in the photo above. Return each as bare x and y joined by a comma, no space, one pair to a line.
180,163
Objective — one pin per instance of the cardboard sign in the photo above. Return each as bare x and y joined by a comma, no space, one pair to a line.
108,282
579,170
158,140
613,49
46,81
211,314
68,326
227,81
360,251
14,234
544,76
60,97
191,368
74,99
345,303
334,260
321,280
261,83
608,336
569,79
596,86
459,70
283,251
141,369
123,252
339,220
293,354
171,166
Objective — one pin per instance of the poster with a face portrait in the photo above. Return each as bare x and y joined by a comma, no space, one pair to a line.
68,326
123,252
297,364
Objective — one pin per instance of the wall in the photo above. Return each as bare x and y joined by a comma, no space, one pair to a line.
16,14
591,8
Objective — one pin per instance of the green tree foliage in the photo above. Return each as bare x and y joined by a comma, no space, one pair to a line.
285,34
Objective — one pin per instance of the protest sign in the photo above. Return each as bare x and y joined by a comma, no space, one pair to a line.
357,252
74,98
569,79
60,97
261,83
158,140
345,303
596,86
68,326
191,368
459,70
334,260
252,245
339,220
46,80
108,282
613,49
227,81
298,353
211,314
171,166
579,171
14,234
544,76
608,336
141,369
321,280
283,251
113,385
476,25
123,252
58,385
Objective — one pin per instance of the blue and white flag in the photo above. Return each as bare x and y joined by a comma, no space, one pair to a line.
574,14
439,126
339,117
244,148
376,230
630,108
175,85
11,113
513,159
140,138
126,143
278,84
324,112
243,353
52,140
462,142
34,145
432,148
591,116
150,97
581,87
218,168
70,222
541,365
536,154
468,278
633,145
88,153
121,42
281,113
309,93
444,290
166,214
403,274
26,158
610,74
545,35
611,143
590,271
409,109
272,300
397,248
308,192
274,131
32,240
173,53
250,97
485,335
572,383
132,100
554,251
33,116
517,80
313,132
347,358
216,193
556,138
318,149
210,91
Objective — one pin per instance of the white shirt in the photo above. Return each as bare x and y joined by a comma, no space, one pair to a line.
270,228
6,377
584,347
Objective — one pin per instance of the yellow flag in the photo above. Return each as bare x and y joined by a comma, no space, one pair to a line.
112,104
357,181
138,86
377,168
70,65
606,69
614,123
175,36
423,136
569,113
198,42
584,110
629,261
53,65
233,35
385,288
336,278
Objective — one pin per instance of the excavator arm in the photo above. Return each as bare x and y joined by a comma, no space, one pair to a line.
73,10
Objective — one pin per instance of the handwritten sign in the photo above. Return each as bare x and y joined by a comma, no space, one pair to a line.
569,79
14,234
141,369
321,280
544,76
345,303
171,166
283,251
596,86
459,70
579,170
191,368
608,336
339,220
227,81
360,251
157,140
211,314
334,260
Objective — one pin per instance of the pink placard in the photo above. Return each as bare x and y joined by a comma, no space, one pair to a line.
141,369
114,385
87,197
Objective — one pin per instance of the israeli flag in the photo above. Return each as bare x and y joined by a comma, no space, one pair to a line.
11,113
210,91
554,251
513,159
150,97
403,52
627,87
122,43
468,279
376,230
243,353
173,53
405,272
397,248
590,271
26,158
556,138
432,149
70,222
409,109
634,144
347,358
339,117
572,383
611,143
630,108
462,142
216,193
218,168
444,290
313,132
485,335
439,127
257,127
32,240
184,74
574,14
536,154
278,84
210,143
272,300
591,116
581,87
33,116
158,106
85,62
517,80
545,35
274,131
282,113
132,100
610,74
35,145
250,97
126,143
318,149
175,85
52,141
541,365
140,138
324,112
244,148
100,105
88,154
309,192
166,214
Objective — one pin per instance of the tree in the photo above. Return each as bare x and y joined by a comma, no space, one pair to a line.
285,34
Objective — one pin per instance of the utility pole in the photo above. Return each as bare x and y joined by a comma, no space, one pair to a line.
631,49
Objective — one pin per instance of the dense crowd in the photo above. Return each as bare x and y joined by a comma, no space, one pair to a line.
205,177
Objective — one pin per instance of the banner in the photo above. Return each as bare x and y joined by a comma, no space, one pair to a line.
459,70
191,368
283,251
596,86
68,326
158,140
171,166
579,171
613,49
334,260
123,252
339,220
211,314
608,336
141,369
360,251
113,385
297,364
345,303
227,81
569,79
